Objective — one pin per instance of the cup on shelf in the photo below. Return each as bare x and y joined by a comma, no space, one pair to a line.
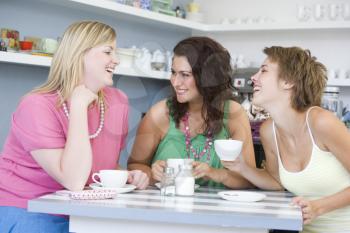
126,56
332,74
49,45
319,11
36,42
193,7
345,9
225,21
333,12
343,74
303,13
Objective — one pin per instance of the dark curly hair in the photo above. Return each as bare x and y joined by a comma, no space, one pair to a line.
212,71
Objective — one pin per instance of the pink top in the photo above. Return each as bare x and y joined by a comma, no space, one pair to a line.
39,124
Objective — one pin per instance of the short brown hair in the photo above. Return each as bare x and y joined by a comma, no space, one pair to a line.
299,68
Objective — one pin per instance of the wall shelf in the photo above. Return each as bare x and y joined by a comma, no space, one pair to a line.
339,82
114,9
34,60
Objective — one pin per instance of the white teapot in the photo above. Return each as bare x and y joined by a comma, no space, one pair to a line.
143,59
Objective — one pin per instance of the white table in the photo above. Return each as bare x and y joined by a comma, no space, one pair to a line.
146,211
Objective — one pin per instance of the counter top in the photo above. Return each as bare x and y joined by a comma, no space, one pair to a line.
206,208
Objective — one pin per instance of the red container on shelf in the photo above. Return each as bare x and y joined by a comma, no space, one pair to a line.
26,45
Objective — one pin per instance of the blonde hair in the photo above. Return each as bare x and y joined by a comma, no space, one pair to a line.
67,64
298,67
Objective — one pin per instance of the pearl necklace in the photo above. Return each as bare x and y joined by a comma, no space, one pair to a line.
102,118
189,146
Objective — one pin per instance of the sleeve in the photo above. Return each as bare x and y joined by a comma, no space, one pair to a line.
36,124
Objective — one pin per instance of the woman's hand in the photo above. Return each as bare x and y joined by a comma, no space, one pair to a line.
158,169
238,165
82,95
138,178
201,169
309,208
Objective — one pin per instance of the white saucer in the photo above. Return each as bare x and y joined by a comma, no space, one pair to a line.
241,196
196,186
127,188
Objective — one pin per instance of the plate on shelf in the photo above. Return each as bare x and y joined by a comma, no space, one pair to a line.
242,196
196,186
127,188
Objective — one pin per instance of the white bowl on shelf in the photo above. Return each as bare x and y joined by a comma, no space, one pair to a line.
228,149
126,56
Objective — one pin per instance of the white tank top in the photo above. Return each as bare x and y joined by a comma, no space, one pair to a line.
324,175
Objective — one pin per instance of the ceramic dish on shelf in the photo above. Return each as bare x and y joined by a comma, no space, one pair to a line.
242,196
196,186
127,188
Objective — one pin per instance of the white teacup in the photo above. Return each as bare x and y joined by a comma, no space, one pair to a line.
228,149
175,163
111,178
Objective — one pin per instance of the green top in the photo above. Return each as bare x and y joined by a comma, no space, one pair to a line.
173,146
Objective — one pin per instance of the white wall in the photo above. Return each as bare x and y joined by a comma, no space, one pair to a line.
331,47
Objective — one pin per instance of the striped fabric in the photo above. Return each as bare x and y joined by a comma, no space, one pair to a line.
205,208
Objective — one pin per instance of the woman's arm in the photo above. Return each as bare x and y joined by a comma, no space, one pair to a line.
239,128
151,130
268,177
71,166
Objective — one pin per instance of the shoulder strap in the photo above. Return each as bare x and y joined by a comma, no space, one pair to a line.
308,126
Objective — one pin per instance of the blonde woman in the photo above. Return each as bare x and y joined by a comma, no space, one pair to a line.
64,130
306,147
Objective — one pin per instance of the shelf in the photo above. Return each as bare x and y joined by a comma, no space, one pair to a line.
34,60
275,26
339,82
114,9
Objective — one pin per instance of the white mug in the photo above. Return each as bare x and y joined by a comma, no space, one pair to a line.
303,13
342,73
332,74
333,11
320,11
111,178
346,11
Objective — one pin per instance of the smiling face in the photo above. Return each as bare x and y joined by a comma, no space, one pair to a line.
183,81
99,64
267,85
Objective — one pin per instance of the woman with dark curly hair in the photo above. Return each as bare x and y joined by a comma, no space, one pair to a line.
200,110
